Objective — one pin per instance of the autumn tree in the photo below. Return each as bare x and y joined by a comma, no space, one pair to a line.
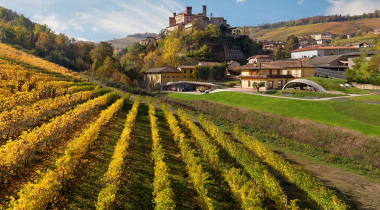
44,43
153,60
62,41
171,49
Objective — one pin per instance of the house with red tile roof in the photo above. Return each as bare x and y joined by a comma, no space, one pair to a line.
322,51
274,74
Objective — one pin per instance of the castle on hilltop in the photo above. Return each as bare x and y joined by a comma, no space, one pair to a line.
186,19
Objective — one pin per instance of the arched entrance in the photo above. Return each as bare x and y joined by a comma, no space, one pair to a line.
304,84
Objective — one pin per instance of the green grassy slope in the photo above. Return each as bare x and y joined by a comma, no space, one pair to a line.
354,115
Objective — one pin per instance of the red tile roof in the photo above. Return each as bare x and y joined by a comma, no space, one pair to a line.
264,76
291,64
324,48
252,66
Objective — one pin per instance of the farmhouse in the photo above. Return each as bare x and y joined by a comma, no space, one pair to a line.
322,51
164,75
274,75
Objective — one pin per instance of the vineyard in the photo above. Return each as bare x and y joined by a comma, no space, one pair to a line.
68,143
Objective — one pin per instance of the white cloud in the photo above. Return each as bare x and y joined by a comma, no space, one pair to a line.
240,1
100,20
300,2
352,7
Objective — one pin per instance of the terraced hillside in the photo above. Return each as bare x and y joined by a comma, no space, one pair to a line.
282,33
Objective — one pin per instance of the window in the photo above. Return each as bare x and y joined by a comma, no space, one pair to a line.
191,76
191,71
173,76
279,83
270,85
184,71
163,76
177,76
249,83
184,76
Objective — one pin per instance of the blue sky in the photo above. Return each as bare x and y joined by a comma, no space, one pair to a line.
100,20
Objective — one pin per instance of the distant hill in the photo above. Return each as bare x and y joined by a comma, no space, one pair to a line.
123,43
281,33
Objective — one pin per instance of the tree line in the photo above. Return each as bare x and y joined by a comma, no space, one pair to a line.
39,40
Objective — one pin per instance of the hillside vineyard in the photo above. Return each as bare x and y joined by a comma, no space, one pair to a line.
69,143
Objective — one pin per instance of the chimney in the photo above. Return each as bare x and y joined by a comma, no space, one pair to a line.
174,14
204,10
188,10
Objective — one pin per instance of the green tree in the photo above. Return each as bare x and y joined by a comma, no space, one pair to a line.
108,67
100,53
135,50
201,72
258,85
280,54
291,44
213,32
217,71
365,71
378,43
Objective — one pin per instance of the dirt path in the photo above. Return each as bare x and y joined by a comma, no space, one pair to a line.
363,192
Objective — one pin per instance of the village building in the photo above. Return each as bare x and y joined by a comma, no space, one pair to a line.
260,59
324,42
163,75
321,51
323,36
237,31
274,74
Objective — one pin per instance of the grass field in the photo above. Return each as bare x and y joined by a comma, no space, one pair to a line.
354,115
332,84
301,94
375,98
227,82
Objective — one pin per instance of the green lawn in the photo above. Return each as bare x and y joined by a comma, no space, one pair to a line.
375,98
227,82
352,114
332,84
302,93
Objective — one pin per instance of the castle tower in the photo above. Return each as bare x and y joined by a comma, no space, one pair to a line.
204,11
188,10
